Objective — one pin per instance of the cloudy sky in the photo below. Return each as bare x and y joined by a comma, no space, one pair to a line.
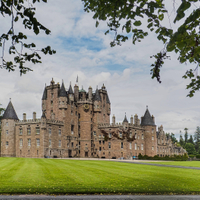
85,51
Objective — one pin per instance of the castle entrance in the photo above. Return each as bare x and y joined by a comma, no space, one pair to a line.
86,154
69,153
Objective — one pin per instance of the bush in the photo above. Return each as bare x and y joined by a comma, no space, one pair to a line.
156,157
198,156
191,156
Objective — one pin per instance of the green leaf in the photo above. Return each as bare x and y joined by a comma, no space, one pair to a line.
137,23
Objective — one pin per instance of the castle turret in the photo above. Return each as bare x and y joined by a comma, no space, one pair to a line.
150,134
97,101
76,93
131,119
90,93
62,97
82,94
8,121
113,119
44,98
71,93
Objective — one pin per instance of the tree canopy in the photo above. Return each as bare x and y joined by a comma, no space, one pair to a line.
126,17
21,11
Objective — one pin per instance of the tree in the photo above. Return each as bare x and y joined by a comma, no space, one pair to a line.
181,141
126,16
186,135
190,140
173,138
197,139
190,148
21,11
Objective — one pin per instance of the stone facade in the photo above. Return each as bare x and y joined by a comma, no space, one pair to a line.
76,123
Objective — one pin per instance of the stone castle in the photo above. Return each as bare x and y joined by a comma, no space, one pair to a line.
76,123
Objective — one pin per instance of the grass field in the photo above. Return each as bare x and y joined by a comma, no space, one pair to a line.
180,163
51,176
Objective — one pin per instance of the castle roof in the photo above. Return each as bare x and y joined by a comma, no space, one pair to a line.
125,119
82,90
10,112
147,120
107,99
44,97
97,96
70,91
62,92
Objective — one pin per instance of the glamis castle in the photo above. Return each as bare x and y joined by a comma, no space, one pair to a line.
76,123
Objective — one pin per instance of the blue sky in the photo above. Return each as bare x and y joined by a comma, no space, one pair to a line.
85,51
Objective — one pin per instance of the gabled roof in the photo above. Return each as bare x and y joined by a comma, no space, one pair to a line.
97,96
107,99
62,92
44,97
70,91
125,119
10,112
147,120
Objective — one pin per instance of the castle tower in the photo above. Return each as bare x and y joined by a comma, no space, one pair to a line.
62,97
8,147
76,92
149,134
70,93
125,121
44,98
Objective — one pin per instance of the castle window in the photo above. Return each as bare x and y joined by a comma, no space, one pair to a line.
120,134
142,136
20,131
28,131
99,142
135,135
135,146
38,142
59,132
79,115
49,131
94,133
109,145
138,136
122,145
6,123
51,103
142,148
7,143
52,95
138,148
103,141
29,142
72,144
59,143
6,132
99,136
50,143
130,134
110,135
152,130
71,112
130,145
152,137
99,148
152,148
72,129
37,130
20,142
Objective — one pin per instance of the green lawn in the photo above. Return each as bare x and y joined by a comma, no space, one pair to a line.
180,163
51,176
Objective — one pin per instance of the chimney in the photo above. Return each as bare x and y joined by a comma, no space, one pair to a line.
34,115
24,116
90,93
113,119
131,119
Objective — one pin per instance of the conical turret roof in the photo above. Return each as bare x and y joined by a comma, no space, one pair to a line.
70,91
44,97
125,119
97,96
10,112
107,99
62,92
147,120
